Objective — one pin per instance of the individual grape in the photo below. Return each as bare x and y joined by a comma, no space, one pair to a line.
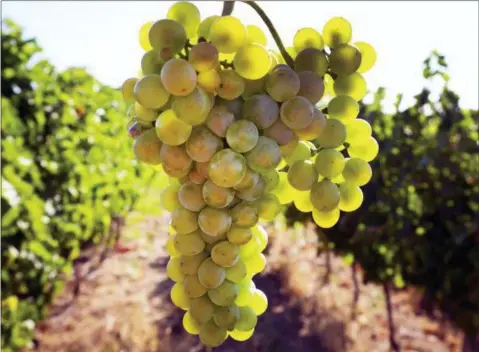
225,254
144,115
211,335
351,197
247,319
241,336
297,113
301,152
253,87
232,85
226,317
190,264
173,270
127,90
286,150
184,221
368,56
248,181
268,206
179,297
333,135
279,132
227,168
137,128
271,180
357,131
216,196
193,287
175,157
205,25
325,195
244,214
202,144
249,249
191,197
245,292
314,129
186,14
209,80
150,92
337,31
357,172
259,302
219,120
255,264
143,36
212,239
210,274
338,179
179,173
343,108
252,61
201,309
344,60
190,243
284,191
193,108
302,175
307,38
313,60
214,222
254,35
366,150
167,37
329,163
151,63
253,193
264,156
234,106
282,84
178,77
261,236
195,175
147,148
242,136
170,247
170,129
239,235
225,294
228,34
326,219
311,86
262,110
237,272
189,324
203,57
302,202
353,85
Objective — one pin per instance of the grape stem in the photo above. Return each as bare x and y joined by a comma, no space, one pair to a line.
228,7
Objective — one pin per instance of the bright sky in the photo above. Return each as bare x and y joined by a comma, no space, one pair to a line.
102,35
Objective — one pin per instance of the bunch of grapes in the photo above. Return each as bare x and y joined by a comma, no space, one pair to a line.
239,130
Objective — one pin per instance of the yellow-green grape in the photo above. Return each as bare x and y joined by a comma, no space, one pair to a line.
173,270
210,274
343,108
276,59
357,172
268,206
241,336
253,193
170,129
225,294
226,317
167,37
271,180
252,61
262,110
284,191
190,196
254,35
253,87
190,264
225,254
249,180
219,120
193,287
302,151
209,80
326,219
307,38
337,31
247,319
368,56
351,197
186,14
179,297
344,60
259,302
297,113
231,86
329,163
178,77
353,85
265,156
175,157
333,135
127,90
170,247
324,195
216,196
201,309
227,168
282,83
190,325
184,221
143,36
147,148
245,292
261,236
244,214
280,133
212,239
214,222
169,197
150,92
292,52
242,136
189,243
202,144
179,173
366,150
311,86
193,108
311,59
205,25
211,335
255,264
302,175
151,63
237,272
338,179
203,57
239,235
302,202
314,129
357,131
328,85
228,34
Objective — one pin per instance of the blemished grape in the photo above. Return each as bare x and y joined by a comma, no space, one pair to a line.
242,136
170,129
252,61
210,274
127,90
227,168
259,302
333,135
173,269
237,272
225,254
143,36
167,37
151,63
231,85
262,110
244,214
307,38
357,172
337,31
311,86
302,175
184,221
344,60
265,156
325,195
314,129
179,297
297,113
174,157
313,60
205,25
201,309
216,196
226,317
193,108
189,244
193,287
189,324
279,132
268,206
203,57
357,131
353,85
343,108
228,34
282,84
202,144
190,264
248,181
326,219
219,120
247,320
211,335
150,92
239,235
329,163
351,197
366,150
191,197
254,35
147,148
178,77
368,56
209,80
214,222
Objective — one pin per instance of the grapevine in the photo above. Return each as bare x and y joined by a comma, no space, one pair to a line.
242,130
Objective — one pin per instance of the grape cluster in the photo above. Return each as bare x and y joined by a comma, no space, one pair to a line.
240,134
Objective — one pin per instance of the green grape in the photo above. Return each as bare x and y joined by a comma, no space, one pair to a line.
245,292
262,110
344,60
255,264
279,132
219,120
228,34
241,336
167,37
232,85
202,145
190,243
216,196
343,108
205,25
252,61
353,85
201,309
127,90
147,148
226,317
261,236
189,265
179,297
265,156
186,14
170,247
338,179
209,80
190,325
326,219
225,254
151,63
150,92
247,319
292,52
190,196
368,56
144,115
302,202
333,135
184,221
302,175
271,180
203,57
367,150
282,83
225,294
175,157
248,181
193,287
351,197
173,270
314,129
178,77
242,136
307,38
313,60
357,172
254,35
237,272
249,249
214,222
253,87
143,36
244,214
329,163
301,152
259,302
211,335
357,131
268,206
171,130
239,235
328,85
210,274
311,86
337,31
253,193
324,195
227,168
297,113
284,191
193,108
